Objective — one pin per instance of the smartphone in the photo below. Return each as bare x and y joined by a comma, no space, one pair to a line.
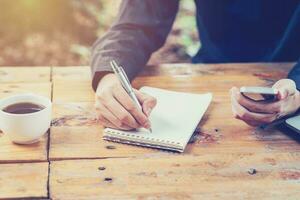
260,93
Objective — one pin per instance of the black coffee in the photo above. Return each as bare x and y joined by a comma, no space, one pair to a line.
23,108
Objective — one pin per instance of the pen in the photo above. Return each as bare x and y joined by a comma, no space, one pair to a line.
120,73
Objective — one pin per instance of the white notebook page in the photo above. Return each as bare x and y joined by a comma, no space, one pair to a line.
175,116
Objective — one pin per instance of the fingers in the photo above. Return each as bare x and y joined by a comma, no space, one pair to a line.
105,122
123,98
120,112
114,106
257,113
285,87
106,118
255,106
110,109
251,118
148,102
105,114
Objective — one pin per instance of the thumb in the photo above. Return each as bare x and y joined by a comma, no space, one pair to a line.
148,102
285,88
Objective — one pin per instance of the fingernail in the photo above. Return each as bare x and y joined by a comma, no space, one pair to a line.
282,95
149,111
147,125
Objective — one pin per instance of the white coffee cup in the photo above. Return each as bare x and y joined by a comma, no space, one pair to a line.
25,128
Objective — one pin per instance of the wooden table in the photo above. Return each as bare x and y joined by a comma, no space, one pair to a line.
228,160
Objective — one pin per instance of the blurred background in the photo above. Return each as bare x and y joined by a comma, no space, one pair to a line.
61,32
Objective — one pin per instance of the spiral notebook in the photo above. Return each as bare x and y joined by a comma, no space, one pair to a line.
173,121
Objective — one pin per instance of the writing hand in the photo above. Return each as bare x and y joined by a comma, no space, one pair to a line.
115,108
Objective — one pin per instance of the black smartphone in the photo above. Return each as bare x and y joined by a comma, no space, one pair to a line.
260,93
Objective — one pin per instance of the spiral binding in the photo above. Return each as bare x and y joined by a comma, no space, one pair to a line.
128,138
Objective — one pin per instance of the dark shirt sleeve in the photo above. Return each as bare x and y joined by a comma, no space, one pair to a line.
140,29
295,74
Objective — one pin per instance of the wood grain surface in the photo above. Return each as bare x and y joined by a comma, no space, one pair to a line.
249,176
25,74
10,89
15,153
227,159
24,180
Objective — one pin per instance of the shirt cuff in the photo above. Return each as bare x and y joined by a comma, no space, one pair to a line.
102,67
295,75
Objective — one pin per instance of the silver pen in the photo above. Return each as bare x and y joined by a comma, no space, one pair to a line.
120,73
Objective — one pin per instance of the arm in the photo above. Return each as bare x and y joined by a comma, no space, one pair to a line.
140,29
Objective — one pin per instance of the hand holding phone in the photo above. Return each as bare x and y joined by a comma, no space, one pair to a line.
250,105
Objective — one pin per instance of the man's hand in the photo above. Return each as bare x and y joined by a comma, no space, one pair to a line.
115,109
259,113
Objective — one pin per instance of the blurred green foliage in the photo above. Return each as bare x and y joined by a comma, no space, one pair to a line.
186,22
61,32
